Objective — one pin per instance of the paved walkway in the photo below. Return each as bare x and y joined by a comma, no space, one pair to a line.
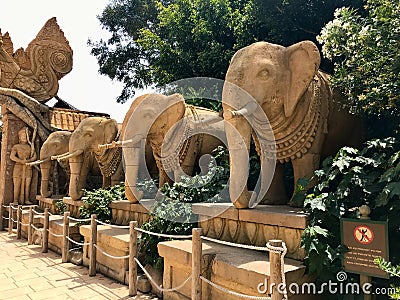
26,273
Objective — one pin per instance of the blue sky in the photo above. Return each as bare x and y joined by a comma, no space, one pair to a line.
83,87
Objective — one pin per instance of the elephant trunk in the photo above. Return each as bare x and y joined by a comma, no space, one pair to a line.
77,178
45,168
132,161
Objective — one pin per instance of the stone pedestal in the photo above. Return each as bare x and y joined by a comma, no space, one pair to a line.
235,269
114,241
49,203
11,126
73,206
125,211
254,226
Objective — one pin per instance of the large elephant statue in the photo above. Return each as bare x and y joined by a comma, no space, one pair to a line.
301,109
56,144
172,130
83,144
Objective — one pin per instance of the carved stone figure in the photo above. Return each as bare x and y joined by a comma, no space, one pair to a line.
168,126
57,143
84,142
21,154
302,109
36,70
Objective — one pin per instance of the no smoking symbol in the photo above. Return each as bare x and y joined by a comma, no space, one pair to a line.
363,234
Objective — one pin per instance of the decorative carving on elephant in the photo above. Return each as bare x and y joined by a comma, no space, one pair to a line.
302,110
36,70
56,144
83,144
168,126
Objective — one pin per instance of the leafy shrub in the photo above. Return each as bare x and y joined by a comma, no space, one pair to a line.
350,179
393,271
61,207
98,202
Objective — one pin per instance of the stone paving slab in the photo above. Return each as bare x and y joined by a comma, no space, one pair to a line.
26,273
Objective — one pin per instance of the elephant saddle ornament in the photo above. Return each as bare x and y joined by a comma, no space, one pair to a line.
174,148
36,70
295,135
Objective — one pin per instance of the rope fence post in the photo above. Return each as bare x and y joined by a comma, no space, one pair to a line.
65,242
10,219
196,263
1,217
132,262
275,270
92,248
19,221
30,231
45,241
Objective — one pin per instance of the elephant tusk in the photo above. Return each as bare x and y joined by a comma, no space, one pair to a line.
38,162
115,144
246,110
73,154
54,157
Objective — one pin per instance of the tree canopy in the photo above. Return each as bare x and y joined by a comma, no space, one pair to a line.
154,42
365,49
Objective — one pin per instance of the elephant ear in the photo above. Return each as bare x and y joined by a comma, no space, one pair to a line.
303,62
110,130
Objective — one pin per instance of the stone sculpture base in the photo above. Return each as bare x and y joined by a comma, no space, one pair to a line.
254,226
238,270
49,203
124,211
73,206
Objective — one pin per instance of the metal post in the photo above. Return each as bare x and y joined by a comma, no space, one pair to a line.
132,254
92,248
196,263
10,221
1,217
45,236
30,229
65,242
19,221
275,267
364,279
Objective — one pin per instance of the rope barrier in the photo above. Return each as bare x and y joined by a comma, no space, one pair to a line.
37,212
156,284
78,220
13,220
282,251
53,234
74,249
5,218
111,225
224,290
109,255
169,236
13,207
77,243
34,227
235,244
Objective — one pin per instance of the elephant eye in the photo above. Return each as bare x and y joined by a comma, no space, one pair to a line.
263,74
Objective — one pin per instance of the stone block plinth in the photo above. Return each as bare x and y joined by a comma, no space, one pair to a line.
49,203
73,206
124,211
254,226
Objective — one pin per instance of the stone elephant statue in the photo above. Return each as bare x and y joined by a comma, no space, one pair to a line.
56,144
168,126
84,144
285,86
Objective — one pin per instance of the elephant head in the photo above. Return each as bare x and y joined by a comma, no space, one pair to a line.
57,143
87,137
276,77
149,118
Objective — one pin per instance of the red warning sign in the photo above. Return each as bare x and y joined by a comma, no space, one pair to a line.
363,234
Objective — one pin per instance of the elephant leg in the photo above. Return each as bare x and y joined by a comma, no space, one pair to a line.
106,182
304,167
276,193
238,132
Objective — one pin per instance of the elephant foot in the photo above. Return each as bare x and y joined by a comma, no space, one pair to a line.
274,201
28,203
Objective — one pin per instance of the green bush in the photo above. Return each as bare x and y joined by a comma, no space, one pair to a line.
98,202
393,271
350,179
